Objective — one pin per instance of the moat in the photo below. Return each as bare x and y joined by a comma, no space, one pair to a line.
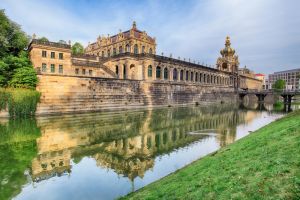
109,154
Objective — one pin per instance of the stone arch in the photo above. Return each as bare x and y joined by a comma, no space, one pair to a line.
181,75
196,76
132,71
124,72
175,75
187,75
192,76
158,72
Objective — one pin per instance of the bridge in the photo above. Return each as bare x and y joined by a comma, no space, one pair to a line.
261,94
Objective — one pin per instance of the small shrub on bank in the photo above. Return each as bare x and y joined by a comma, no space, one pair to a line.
21,102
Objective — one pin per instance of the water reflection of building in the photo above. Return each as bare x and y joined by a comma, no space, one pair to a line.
127,142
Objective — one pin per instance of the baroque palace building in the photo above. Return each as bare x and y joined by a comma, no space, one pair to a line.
132,55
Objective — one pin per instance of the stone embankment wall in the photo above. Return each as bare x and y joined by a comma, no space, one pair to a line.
66,94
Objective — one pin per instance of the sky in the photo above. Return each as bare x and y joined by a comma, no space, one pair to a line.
264,33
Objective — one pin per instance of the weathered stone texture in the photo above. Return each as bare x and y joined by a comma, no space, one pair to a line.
66,94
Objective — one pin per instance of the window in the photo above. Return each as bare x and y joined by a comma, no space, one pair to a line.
91,72
52,54
117,69
192,76
114,51
108,52
61,56
44,67
60,69
136,49
175,74
186,75
127,48
83,71
196,77
44,54
143,49
181,75
158,71
120,49
150,51
149,71
166,74
102,53
52,68
76,71
124,71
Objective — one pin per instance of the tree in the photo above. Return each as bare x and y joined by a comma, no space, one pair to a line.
12,38
43,39
279,85
24,77
62,42
77,48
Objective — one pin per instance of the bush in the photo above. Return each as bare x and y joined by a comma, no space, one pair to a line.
20,102
24,77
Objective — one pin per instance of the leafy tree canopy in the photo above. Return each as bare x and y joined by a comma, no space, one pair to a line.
279,84
77,48
24,77
12,38
43,39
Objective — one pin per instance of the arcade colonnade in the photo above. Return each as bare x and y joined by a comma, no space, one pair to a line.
173,73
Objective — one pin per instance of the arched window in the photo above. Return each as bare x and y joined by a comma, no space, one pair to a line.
196,77
102,53
187,75
166,74
150,51
114,51
127,48
181,75
136,49
108,52
124,72
192,76
175,74
149,71
158,72
120,49
117,69
143,49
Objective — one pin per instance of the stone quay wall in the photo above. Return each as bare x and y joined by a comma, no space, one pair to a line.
67,94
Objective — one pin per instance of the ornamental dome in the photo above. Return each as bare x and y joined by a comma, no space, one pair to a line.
227,51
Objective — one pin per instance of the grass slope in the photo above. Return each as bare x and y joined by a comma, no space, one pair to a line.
263,165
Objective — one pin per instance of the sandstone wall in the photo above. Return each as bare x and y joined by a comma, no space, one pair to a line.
66,94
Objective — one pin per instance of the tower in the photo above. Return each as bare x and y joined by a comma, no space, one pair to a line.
229,62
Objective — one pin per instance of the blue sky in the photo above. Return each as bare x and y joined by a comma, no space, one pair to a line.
265,33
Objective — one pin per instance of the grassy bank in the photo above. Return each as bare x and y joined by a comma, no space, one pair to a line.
20,102
263,165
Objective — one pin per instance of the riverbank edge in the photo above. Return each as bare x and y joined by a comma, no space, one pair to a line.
192,181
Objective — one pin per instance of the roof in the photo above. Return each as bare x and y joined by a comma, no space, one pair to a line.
259,75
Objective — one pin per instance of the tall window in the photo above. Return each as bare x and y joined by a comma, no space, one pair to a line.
61,56
149,71
175,74
83,71
124,71
200,77
127,48
192,76
120,49
108,52
158,72
52,54
114,51
117,70
136,49
181,75
44,54
150,51
186,75
52,68
143,49
196,77
76,71
91,72
60,69
44,67
102,53
166,74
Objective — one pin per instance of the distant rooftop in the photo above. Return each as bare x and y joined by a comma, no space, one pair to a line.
287,71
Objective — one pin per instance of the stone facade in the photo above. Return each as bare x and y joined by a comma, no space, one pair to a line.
136,77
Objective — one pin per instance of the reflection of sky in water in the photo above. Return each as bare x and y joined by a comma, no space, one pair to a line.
88,180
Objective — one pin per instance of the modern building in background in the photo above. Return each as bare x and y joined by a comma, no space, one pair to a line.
291,78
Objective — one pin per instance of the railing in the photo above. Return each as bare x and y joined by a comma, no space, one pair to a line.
84,56
53,44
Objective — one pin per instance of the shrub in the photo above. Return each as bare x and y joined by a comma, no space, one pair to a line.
24,77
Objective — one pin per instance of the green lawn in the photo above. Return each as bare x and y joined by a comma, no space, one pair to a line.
263,165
